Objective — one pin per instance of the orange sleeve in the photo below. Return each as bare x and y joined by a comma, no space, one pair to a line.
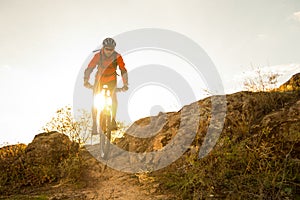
94,61
91,66
121,63
123,69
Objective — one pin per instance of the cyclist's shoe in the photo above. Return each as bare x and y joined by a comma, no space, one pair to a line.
113,126
94,129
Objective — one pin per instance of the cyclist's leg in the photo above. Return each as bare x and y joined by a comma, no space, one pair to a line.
112,86
114,105
97,88
114,110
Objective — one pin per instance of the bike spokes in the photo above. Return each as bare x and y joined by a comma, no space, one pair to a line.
105,136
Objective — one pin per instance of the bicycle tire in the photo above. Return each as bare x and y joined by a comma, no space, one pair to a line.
105,135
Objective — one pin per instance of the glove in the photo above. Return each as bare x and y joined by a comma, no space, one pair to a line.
125,88
87,84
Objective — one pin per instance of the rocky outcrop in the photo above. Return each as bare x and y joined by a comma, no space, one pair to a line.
292,84
48,149
244,111
244,114
49,157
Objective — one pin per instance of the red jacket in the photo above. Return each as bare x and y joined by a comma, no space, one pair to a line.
106,68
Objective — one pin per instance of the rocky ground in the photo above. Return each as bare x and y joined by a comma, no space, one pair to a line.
47,167
96,181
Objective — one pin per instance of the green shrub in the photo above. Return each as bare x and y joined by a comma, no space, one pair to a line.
18,171
259,167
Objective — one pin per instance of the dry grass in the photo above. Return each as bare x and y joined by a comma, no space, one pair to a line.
263,166
16,172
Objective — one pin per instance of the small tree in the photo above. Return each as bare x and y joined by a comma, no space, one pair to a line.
64,122
261,82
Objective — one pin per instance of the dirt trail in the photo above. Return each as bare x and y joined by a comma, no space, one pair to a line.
97,184
112,184
119,185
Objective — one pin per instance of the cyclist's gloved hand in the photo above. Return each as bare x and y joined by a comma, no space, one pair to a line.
87,84
125,88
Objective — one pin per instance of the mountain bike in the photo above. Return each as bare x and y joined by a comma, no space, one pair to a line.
104,119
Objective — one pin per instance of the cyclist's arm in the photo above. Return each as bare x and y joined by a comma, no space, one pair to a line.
91,66
122,69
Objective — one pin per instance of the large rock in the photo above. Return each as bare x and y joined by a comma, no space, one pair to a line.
284,124
244,113
292,84
49,157
48,149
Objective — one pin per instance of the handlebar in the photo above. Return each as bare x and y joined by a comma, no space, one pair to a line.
116,89
119,90
96,50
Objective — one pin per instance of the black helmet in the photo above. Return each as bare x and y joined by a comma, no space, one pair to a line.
109,42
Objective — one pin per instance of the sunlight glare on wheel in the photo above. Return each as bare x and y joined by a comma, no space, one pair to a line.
101,100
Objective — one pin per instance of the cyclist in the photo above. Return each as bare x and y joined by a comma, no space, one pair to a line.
106,62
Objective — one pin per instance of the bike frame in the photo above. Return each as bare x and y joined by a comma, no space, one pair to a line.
103,105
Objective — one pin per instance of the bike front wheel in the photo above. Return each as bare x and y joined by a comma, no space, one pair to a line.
105,135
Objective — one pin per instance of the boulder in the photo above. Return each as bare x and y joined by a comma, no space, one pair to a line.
245,112
292,84
48,158
48,149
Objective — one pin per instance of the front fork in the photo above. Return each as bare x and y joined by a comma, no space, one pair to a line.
106,120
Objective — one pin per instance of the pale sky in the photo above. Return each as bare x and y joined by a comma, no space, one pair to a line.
43,45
